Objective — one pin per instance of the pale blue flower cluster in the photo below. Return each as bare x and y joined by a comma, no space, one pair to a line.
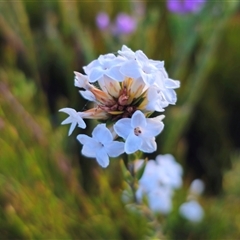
129,88
161,177
158,182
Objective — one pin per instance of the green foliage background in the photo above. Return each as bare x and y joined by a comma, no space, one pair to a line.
47,189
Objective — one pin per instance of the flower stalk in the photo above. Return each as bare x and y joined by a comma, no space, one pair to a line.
126,90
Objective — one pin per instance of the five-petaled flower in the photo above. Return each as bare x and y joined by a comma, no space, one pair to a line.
139,132
101,146
74,118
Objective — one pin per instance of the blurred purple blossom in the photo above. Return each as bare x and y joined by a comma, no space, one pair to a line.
185,6
124,24
102,20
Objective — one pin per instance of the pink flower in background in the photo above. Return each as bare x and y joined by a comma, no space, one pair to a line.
185,6
102,20
124,24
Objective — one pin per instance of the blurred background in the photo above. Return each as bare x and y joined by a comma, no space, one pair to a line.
47,189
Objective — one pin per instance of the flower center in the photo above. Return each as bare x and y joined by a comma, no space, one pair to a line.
121,108
137,131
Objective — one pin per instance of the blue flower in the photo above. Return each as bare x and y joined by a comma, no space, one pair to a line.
101,145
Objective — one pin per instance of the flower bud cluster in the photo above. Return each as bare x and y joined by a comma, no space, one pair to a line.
126,89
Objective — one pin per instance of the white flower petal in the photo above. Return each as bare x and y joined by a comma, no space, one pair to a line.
157,64
87,151
67,121
170,83
88,95
130,69
88,145
141,57
115,74
72,127
155,100
81,80
148,145
106,59
127,52
83,138
138,120
132,143
96,74
102,157
91,65
74,118
115,148
160,81
148,78
123,127
170,96
153,127
102,134
158,118
154,106
69,111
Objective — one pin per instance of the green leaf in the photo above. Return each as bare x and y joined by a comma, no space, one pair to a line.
140,171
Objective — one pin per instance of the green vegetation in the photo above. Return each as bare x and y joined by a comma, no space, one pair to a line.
49,191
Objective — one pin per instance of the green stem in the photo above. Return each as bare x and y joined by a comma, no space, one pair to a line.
132,184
